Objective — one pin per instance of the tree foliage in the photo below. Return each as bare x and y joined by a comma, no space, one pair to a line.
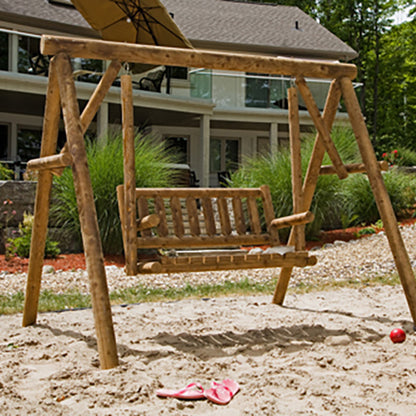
397,88
385,62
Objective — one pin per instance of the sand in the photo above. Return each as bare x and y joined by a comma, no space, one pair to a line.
324,353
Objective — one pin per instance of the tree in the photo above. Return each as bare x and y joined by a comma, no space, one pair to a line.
367,26
361,24
397,88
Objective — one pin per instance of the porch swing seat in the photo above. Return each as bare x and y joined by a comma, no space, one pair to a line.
169,220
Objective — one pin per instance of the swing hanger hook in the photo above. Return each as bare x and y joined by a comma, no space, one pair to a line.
126,68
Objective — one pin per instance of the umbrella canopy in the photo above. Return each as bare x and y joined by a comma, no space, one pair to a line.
135,21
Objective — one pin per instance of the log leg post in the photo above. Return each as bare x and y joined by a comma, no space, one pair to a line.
318,152
309,184
97,97
130,228
99,94
120,200
322,128
381,196
296,165
107,348
42,201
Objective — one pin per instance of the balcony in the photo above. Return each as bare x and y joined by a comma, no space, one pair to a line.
20,52
240,90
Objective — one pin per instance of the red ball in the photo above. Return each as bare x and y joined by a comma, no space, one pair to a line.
397,335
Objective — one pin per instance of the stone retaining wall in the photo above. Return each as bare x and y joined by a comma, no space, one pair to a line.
22,194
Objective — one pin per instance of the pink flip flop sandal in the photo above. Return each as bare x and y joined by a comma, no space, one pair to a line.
193,391
222,393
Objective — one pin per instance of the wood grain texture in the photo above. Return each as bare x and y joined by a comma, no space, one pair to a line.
381,196
158,55
129,174
107,348
296,164
322,128
42,199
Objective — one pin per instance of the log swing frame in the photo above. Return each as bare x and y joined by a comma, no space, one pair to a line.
61,94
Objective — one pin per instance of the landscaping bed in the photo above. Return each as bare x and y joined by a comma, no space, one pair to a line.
73,262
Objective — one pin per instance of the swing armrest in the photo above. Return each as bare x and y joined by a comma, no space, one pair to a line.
147,222
295,219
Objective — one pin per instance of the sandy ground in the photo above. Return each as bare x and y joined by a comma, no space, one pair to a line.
324,353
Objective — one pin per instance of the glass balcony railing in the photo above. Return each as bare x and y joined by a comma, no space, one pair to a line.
250,90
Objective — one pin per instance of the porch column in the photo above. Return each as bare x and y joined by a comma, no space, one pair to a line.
102,120
13,141
13,52
274,142
204,149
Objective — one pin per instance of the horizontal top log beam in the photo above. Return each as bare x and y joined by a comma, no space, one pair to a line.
157,55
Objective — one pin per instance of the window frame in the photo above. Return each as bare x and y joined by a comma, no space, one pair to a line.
188,145
223,160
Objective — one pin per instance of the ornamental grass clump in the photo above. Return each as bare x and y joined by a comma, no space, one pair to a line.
105,161
357,197
275,171
336,203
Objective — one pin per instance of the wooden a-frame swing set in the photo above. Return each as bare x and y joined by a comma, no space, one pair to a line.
61,94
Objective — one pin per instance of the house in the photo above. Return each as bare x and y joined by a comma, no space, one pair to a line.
210,118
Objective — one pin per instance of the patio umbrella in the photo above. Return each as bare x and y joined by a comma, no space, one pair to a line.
135,21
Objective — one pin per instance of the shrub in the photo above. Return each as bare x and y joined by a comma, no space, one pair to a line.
335,203
358,200
357,196
366,231
20,246
275,171
406,157
5,173
105,161
392,157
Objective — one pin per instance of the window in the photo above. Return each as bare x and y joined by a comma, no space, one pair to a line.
257,91
28,143
30,60
4,51
224,154
88,70
178,146
264,91
178,72
4,141
263,145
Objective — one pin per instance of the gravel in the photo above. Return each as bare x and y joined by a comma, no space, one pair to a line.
353,261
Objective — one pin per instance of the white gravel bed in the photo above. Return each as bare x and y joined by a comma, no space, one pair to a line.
355,260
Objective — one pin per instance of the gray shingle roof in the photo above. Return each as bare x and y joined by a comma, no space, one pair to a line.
268,26
42,14
218,24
